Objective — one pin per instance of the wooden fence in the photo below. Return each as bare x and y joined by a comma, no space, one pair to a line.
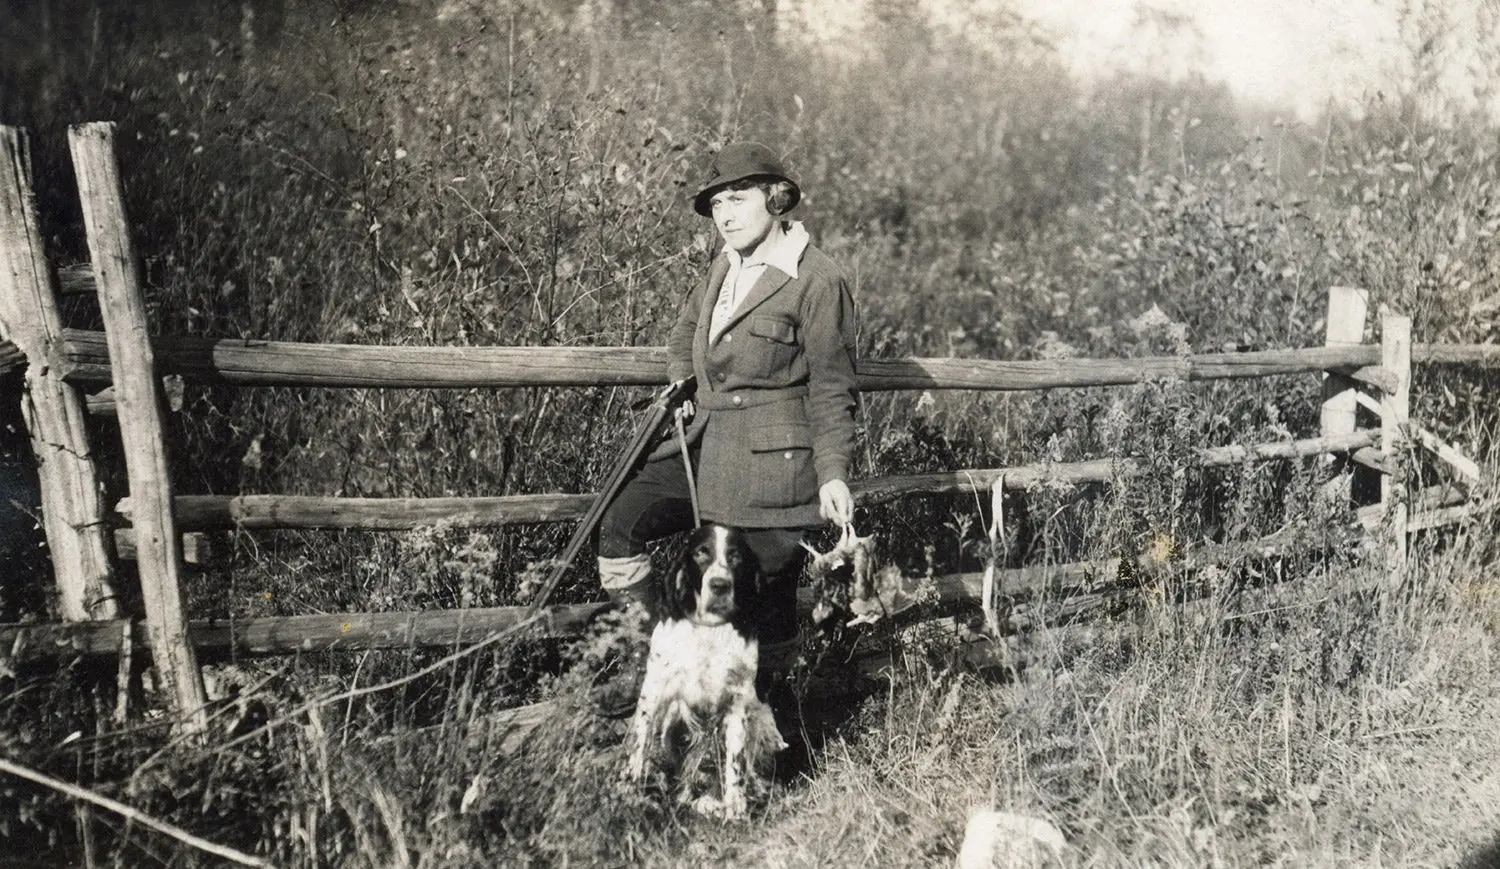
119,370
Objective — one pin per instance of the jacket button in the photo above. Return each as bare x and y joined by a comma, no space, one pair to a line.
728,337
737,400
721,376
787,454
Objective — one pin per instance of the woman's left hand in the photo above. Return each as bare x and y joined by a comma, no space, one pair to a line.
836,502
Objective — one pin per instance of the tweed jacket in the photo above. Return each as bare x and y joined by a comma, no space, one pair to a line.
776,393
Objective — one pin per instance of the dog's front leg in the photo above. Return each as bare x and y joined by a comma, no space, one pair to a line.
635,767
647,708
736,762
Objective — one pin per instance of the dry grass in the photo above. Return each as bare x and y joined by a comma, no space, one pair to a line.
1344,718
1220,740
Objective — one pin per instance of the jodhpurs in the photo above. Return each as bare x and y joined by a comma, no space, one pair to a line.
656,503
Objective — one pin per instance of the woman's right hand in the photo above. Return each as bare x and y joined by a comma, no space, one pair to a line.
836,502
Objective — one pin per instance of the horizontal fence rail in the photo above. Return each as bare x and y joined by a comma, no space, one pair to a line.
257,512
268,635
1039,593
83,358
309,633
78,279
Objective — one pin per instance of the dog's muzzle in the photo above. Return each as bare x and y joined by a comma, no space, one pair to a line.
716,600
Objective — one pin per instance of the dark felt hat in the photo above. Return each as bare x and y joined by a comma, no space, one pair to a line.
742,161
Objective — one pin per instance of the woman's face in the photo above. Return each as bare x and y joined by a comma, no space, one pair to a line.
742,218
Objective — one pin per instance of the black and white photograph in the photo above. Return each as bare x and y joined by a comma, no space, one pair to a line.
801,434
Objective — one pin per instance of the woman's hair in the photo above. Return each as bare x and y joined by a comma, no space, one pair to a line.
779,196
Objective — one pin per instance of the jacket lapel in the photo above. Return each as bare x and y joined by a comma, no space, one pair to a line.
716,274
771,280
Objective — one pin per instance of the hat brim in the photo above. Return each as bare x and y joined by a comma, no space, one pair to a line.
703,205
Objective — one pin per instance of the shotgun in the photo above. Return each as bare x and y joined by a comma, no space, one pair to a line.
658,414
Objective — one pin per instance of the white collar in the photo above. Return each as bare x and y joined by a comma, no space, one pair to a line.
784,253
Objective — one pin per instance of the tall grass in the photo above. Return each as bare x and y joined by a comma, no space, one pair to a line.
516,173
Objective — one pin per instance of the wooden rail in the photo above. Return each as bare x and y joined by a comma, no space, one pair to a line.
1067,590
73,510
139,393
220,638
438,628
1395,407
83,358
261,512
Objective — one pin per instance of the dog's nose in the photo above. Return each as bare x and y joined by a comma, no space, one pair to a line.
720,585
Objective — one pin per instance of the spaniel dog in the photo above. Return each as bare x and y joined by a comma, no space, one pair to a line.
698,700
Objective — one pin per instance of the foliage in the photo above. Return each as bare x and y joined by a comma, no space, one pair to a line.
516,173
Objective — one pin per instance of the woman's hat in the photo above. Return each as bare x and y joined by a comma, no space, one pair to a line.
742,161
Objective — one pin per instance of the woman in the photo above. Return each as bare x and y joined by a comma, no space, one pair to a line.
769,337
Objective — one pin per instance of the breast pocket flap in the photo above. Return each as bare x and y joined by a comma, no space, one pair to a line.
782,330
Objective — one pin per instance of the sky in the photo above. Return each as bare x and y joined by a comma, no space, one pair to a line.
1294,54
1297,55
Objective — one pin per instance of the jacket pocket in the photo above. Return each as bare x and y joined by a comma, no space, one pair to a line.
779,328
781,466
774,346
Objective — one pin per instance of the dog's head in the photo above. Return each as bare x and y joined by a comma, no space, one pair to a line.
716,580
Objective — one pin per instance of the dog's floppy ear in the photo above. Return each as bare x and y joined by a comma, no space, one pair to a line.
682,589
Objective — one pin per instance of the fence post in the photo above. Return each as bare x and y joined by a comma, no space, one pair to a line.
139,403
1348,308
73,510
1395,410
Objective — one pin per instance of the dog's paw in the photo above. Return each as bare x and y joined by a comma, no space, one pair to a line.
733,808
634,771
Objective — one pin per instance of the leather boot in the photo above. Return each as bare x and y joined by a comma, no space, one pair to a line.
643,599
774,685
629,585
772,674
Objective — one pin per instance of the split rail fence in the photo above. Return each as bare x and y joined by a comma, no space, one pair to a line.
71,372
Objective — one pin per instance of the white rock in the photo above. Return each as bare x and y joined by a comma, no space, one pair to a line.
1005,840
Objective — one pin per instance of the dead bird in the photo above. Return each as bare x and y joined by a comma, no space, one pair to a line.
845,578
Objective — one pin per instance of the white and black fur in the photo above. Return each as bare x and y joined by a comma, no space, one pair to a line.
700,674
